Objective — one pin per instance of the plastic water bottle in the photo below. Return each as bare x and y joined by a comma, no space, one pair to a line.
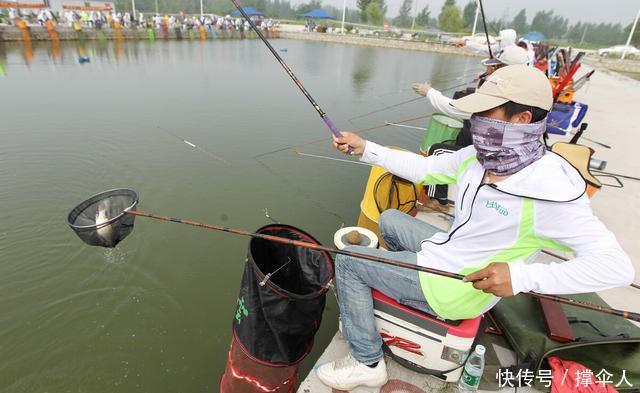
473,370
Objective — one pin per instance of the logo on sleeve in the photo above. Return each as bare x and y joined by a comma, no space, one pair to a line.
497,207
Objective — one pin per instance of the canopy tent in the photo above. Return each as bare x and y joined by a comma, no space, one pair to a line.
533,36
249,11
317,13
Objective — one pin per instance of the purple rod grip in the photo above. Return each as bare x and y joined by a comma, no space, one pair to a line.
334,129
332,126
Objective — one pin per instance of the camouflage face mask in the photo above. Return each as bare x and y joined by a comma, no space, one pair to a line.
504,148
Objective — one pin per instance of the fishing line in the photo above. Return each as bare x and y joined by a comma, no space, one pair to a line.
406,102
193,145
446,81
266,214
387,107
359,132
81,232
299,190
329,158
404,126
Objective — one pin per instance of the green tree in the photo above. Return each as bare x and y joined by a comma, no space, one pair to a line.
362,6
520,22
404,15
448,3
469,13
424,17
450,19
306,7
542,21
375,14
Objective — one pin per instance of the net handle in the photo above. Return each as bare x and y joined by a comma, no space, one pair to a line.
593,307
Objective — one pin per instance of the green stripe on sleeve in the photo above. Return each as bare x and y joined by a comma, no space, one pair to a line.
442,178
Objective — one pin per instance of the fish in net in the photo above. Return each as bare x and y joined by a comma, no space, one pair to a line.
102,220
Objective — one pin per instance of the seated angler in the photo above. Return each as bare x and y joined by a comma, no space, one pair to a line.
514,198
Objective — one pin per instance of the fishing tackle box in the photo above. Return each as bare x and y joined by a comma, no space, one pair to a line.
422,342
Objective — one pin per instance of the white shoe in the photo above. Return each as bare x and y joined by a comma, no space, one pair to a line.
348,373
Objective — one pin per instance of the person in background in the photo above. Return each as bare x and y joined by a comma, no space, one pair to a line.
92,19
531,54
99,20
511,55
41,17
13,16
84,18
49,15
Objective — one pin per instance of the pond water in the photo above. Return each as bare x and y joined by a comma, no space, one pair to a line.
155,313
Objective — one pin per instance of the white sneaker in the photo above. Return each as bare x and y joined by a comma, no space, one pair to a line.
348,373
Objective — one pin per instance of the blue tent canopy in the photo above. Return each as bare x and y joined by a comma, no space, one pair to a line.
317,13
533,36
249,11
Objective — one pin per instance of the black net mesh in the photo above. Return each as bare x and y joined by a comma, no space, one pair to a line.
101,220
277,316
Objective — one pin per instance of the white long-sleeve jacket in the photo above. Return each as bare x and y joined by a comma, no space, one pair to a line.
442,103
542,206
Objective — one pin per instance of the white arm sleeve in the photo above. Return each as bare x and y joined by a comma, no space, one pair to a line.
441,169
442,104
599,263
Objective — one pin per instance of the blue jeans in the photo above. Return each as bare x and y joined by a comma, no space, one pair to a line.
356,277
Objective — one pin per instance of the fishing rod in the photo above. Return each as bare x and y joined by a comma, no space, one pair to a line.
323,115
115,238
407,102
486,32
594,141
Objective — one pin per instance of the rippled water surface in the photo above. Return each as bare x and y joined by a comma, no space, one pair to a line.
155,313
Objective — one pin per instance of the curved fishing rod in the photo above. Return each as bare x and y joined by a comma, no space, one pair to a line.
282,240
284,65
486,32
407,102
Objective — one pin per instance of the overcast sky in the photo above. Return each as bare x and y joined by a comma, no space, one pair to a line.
623,11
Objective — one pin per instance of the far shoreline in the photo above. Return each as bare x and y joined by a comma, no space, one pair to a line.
296,32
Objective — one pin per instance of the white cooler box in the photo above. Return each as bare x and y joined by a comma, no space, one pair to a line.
421,342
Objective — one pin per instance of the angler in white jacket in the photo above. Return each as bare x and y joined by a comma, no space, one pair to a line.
514,198
510,55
